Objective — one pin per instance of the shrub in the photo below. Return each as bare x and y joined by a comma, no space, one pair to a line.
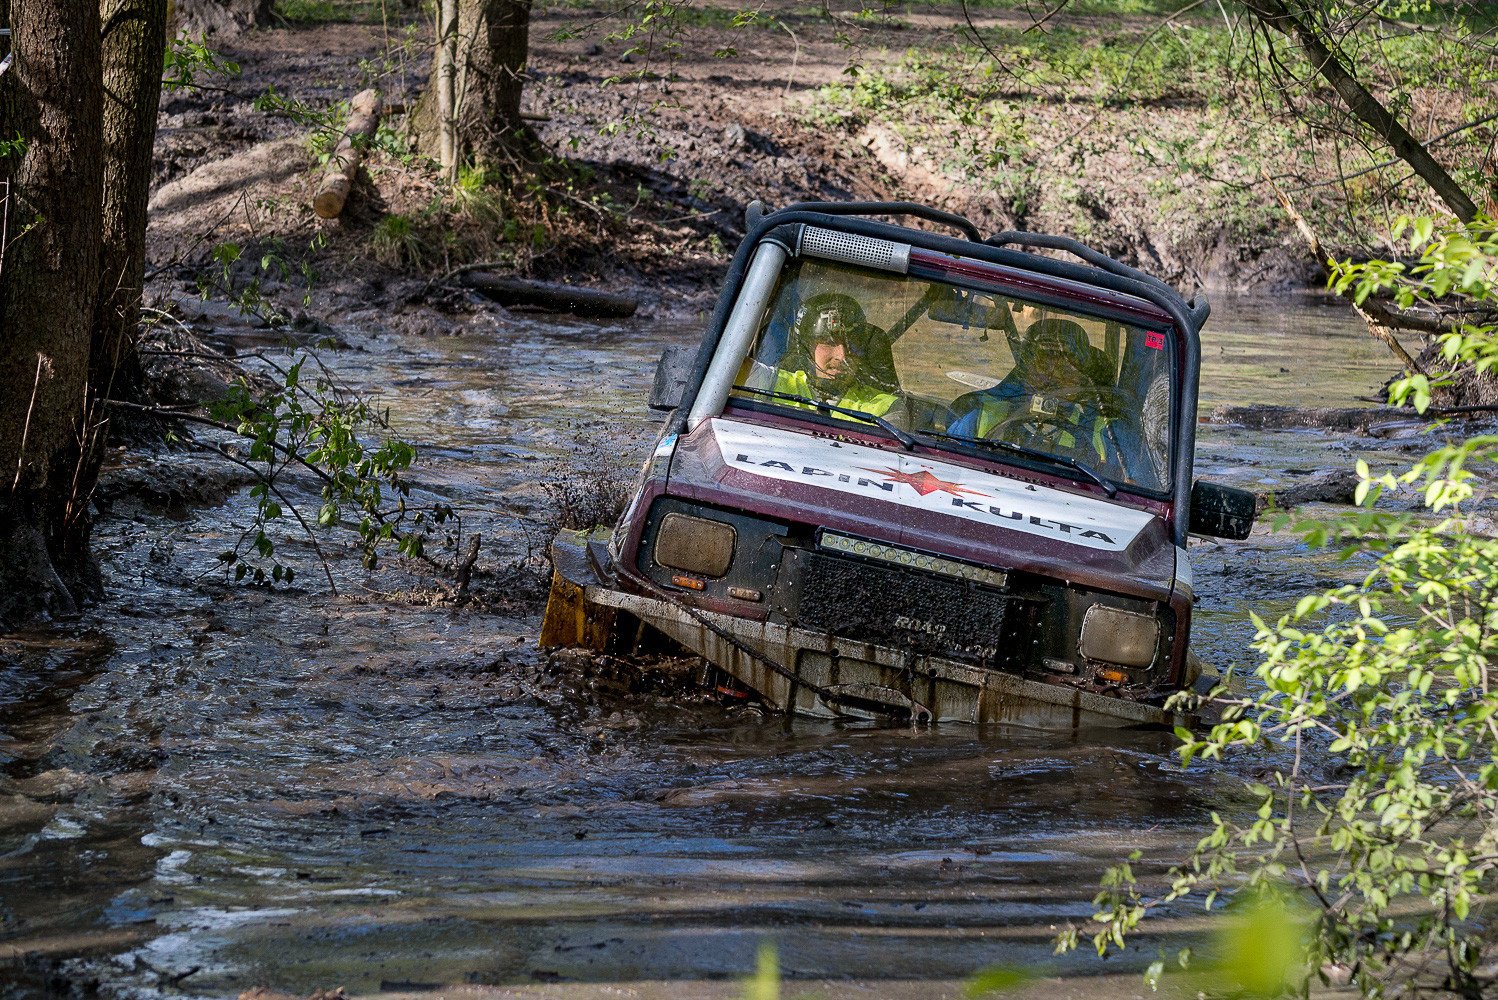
1385,694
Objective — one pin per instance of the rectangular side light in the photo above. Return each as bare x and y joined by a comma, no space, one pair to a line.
695,544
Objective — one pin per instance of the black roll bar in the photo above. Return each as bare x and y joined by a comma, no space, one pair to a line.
1097,259
1098,269
936,215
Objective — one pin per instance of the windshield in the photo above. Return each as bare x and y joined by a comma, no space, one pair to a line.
980,368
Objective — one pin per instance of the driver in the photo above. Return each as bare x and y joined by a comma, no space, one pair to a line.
1051,397
836,357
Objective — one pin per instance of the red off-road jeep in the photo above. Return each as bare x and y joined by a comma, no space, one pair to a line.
919,476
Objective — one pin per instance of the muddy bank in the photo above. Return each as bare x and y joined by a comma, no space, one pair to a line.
655,205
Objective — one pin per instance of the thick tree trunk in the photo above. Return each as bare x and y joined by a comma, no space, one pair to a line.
1363,105
134,44
487,78
49,277
490,121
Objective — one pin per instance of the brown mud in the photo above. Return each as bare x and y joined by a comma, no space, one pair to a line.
654,159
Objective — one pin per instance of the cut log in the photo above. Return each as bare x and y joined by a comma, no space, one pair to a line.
363,119
553,297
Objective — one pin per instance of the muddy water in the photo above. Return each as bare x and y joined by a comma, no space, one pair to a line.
206,788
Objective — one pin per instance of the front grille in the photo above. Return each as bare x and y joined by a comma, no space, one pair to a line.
911,609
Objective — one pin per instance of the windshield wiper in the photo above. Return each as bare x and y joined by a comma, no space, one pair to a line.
901,436
1036,453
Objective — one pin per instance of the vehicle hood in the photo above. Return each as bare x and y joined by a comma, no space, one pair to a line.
925,503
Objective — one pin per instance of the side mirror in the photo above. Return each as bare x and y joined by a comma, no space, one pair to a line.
1222,511
671,375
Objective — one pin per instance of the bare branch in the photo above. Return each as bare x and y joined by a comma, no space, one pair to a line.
1363,105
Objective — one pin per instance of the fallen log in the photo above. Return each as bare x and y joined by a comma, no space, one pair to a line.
1338,487
1348,419
363,119
549,296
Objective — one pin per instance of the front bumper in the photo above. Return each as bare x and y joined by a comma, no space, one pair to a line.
815,673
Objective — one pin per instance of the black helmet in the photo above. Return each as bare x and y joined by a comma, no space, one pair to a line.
1054,353
828,318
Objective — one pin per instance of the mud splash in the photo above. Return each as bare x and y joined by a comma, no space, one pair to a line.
205,788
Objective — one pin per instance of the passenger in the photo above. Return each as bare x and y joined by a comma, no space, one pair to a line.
1053,397
836,357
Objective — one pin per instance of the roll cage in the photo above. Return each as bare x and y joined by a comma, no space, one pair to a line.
1111,277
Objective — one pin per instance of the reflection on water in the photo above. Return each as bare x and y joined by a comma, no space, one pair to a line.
207,788
1303,349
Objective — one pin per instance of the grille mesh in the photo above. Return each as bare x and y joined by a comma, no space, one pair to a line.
908,609
851,249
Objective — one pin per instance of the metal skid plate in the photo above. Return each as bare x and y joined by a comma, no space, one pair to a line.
862,672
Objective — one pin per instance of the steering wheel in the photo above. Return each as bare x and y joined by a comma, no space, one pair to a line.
1041,430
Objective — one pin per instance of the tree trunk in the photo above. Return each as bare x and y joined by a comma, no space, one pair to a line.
487,78
490,118
49,277
134,44
1363,105
446,74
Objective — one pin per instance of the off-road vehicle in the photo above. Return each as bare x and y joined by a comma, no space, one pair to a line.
915,475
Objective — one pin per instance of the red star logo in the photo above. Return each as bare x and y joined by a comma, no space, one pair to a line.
924,482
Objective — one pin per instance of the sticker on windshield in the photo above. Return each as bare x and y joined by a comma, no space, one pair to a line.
1154,341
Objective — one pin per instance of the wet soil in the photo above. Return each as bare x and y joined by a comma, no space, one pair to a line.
656,156
206,788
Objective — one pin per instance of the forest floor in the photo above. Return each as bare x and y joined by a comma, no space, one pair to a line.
1144,135
652,158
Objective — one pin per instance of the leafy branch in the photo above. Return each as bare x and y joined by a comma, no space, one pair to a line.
308,423
1384,825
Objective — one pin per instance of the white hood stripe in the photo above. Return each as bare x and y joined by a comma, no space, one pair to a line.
923,484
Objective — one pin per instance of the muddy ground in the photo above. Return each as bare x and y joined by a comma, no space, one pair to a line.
207,788
657,153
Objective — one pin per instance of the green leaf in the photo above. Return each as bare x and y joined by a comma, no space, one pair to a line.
996,979
765,983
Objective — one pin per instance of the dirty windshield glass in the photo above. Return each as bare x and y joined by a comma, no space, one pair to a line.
978,366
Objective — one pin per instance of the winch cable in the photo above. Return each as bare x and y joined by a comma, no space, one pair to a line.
665,595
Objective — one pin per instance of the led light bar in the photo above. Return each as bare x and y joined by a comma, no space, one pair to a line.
914,560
